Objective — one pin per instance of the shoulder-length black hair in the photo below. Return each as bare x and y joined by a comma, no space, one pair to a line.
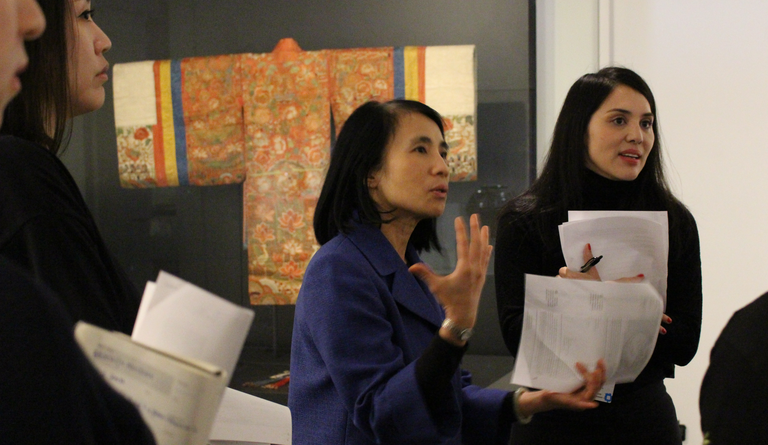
359,152
559,187
40,112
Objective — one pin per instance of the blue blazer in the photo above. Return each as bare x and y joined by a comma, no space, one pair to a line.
362,319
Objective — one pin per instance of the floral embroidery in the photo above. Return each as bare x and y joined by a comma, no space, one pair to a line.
136,157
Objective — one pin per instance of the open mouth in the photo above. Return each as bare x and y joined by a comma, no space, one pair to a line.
630,155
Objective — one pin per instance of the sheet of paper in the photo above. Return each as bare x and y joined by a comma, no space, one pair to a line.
177,398
631,243
569,321
243,418
185,320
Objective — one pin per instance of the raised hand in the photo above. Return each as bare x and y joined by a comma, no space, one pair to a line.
459,292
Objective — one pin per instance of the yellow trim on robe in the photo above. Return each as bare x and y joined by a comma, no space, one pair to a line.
169,135
411,68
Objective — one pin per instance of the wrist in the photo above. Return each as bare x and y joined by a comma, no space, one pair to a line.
454,332
462,318
522,401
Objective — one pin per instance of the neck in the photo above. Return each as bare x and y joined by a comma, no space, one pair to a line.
398,232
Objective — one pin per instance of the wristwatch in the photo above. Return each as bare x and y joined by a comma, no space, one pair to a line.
462,334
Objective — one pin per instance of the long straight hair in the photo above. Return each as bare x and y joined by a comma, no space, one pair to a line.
40,112
559,188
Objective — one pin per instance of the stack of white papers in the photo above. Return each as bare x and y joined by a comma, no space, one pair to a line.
631,243
569,321
176,396
245,419
178,317
177,363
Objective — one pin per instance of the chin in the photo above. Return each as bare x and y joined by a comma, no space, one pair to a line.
90,102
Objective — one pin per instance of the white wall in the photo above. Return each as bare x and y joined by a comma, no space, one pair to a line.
707,63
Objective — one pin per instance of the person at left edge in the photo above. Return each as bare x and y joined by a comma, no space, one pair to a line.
49,391
371,359
45,226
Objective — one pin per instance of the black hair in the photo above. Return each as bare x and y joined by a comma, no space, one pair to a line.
358,152
40,112
560,186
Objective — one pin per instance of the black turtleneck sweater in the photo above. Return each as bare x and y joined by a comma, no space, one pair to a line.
528,243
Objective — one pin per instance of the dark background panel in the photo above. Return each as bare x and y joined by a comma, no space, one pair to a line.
196,232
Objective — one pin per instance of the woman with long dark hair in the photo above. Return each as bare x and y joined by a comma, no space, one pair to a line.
605,155
45,225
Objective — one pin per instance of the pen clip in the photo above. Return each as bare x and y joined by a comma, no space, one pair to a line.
592,262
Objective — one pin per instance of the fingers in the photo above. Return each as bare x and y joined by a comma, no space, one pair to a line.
664,319
423,272
461,239
636,279
593,380
564,272
479,247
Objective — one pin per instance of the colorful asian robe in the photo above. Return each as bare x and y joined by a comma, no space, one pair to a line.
264,120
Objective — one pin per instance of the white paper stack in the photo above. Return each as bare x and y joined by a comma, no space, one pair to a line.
177,363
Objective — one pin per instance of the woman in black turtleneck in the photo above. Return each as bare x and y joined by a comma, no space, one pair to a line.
605,155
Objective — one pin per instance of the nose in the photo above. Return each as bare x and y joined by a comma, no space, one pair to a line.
31,20
101,42
441,165
635,134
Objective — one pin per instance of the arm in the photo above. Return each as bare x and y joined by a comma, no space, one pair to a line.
49,392
684,298
516,254
354,346
61,252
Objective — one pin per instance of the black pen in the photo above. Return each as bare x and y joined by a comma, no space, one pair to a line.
592,262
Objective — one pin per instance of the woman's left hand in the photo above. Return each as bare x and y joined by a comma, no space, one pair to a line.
459,293
592,274
582,398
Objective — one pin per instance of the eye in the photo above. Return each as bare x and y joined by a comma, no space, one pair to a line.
87,14
421,149
444,154
619,120
647,124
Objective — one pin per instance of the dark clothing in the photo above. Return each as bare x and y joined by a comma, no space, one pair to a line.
616,422
47,229
735,387
366,366
526,244
49,392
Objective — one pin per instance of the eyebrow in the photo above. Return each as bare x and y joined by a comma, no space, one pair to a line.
428,140
621,110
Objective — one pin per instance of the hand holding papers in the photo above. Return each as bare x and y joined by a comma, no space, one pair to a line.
630,242
569,321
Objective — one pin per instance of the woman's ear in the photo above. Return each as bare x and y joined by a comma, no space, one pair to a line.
373,180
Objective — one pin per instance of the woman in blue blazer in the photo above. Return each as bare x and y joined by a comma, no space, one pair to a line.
376,350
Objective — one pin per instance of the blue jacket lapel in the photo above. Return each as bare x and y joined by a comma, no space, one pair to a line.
407,290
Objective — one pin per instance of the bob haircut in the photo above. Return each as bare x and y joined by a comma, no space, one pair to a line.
359,152
40,112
